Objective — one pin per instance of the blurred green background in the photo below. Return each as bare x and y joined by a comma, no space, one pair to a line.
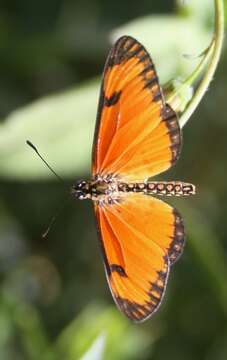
54,299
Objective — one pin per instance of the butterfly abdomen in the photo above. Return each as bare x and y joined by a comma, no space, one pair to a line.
168,188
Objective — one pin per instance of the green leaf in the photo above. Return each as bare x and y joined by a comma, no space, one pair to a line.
201,11
61,126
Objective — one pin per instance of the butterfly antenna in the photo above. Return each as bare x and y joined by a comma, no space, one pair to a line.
52,221
45,162
44,235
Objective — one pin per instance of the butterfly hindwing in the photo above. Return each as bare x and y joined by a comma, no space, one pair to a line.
141,237
137,134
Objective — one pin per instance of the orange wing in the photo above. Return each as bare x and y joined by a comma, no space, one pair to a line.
137,134
141,237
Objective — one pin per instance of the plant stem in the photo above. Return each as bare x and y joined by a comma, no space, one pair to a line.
215,56
195,75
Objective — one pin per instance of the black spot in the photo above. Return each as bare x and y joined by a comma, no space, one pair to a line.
113,99
118,269
140,312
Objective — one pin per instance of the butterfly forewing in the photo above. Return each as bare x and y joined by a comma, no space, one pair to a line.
137,134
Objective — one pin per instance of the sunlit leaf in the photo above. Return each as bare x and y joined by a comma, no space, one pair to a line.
201,11
61,126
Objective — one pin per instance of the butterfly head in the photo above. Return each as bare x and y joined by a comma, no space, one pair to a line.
81,190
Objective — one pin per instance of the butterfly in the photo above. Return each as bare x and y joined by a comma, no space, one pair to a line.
137,136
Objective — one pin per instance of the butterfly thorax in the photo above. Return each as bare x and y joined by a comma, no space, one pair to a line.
109,189
97,189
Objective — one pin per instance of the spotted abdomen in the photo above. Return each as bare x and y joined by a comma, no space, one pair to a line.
168,188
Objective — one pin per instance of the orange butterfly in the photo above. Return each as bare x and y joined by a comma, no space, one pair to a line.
137,136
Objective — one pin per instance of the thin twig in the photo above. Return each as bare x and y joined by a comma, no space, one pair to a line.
215,56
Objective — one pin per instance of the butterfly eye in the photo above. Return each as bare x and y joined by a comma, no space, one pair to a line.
81,190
